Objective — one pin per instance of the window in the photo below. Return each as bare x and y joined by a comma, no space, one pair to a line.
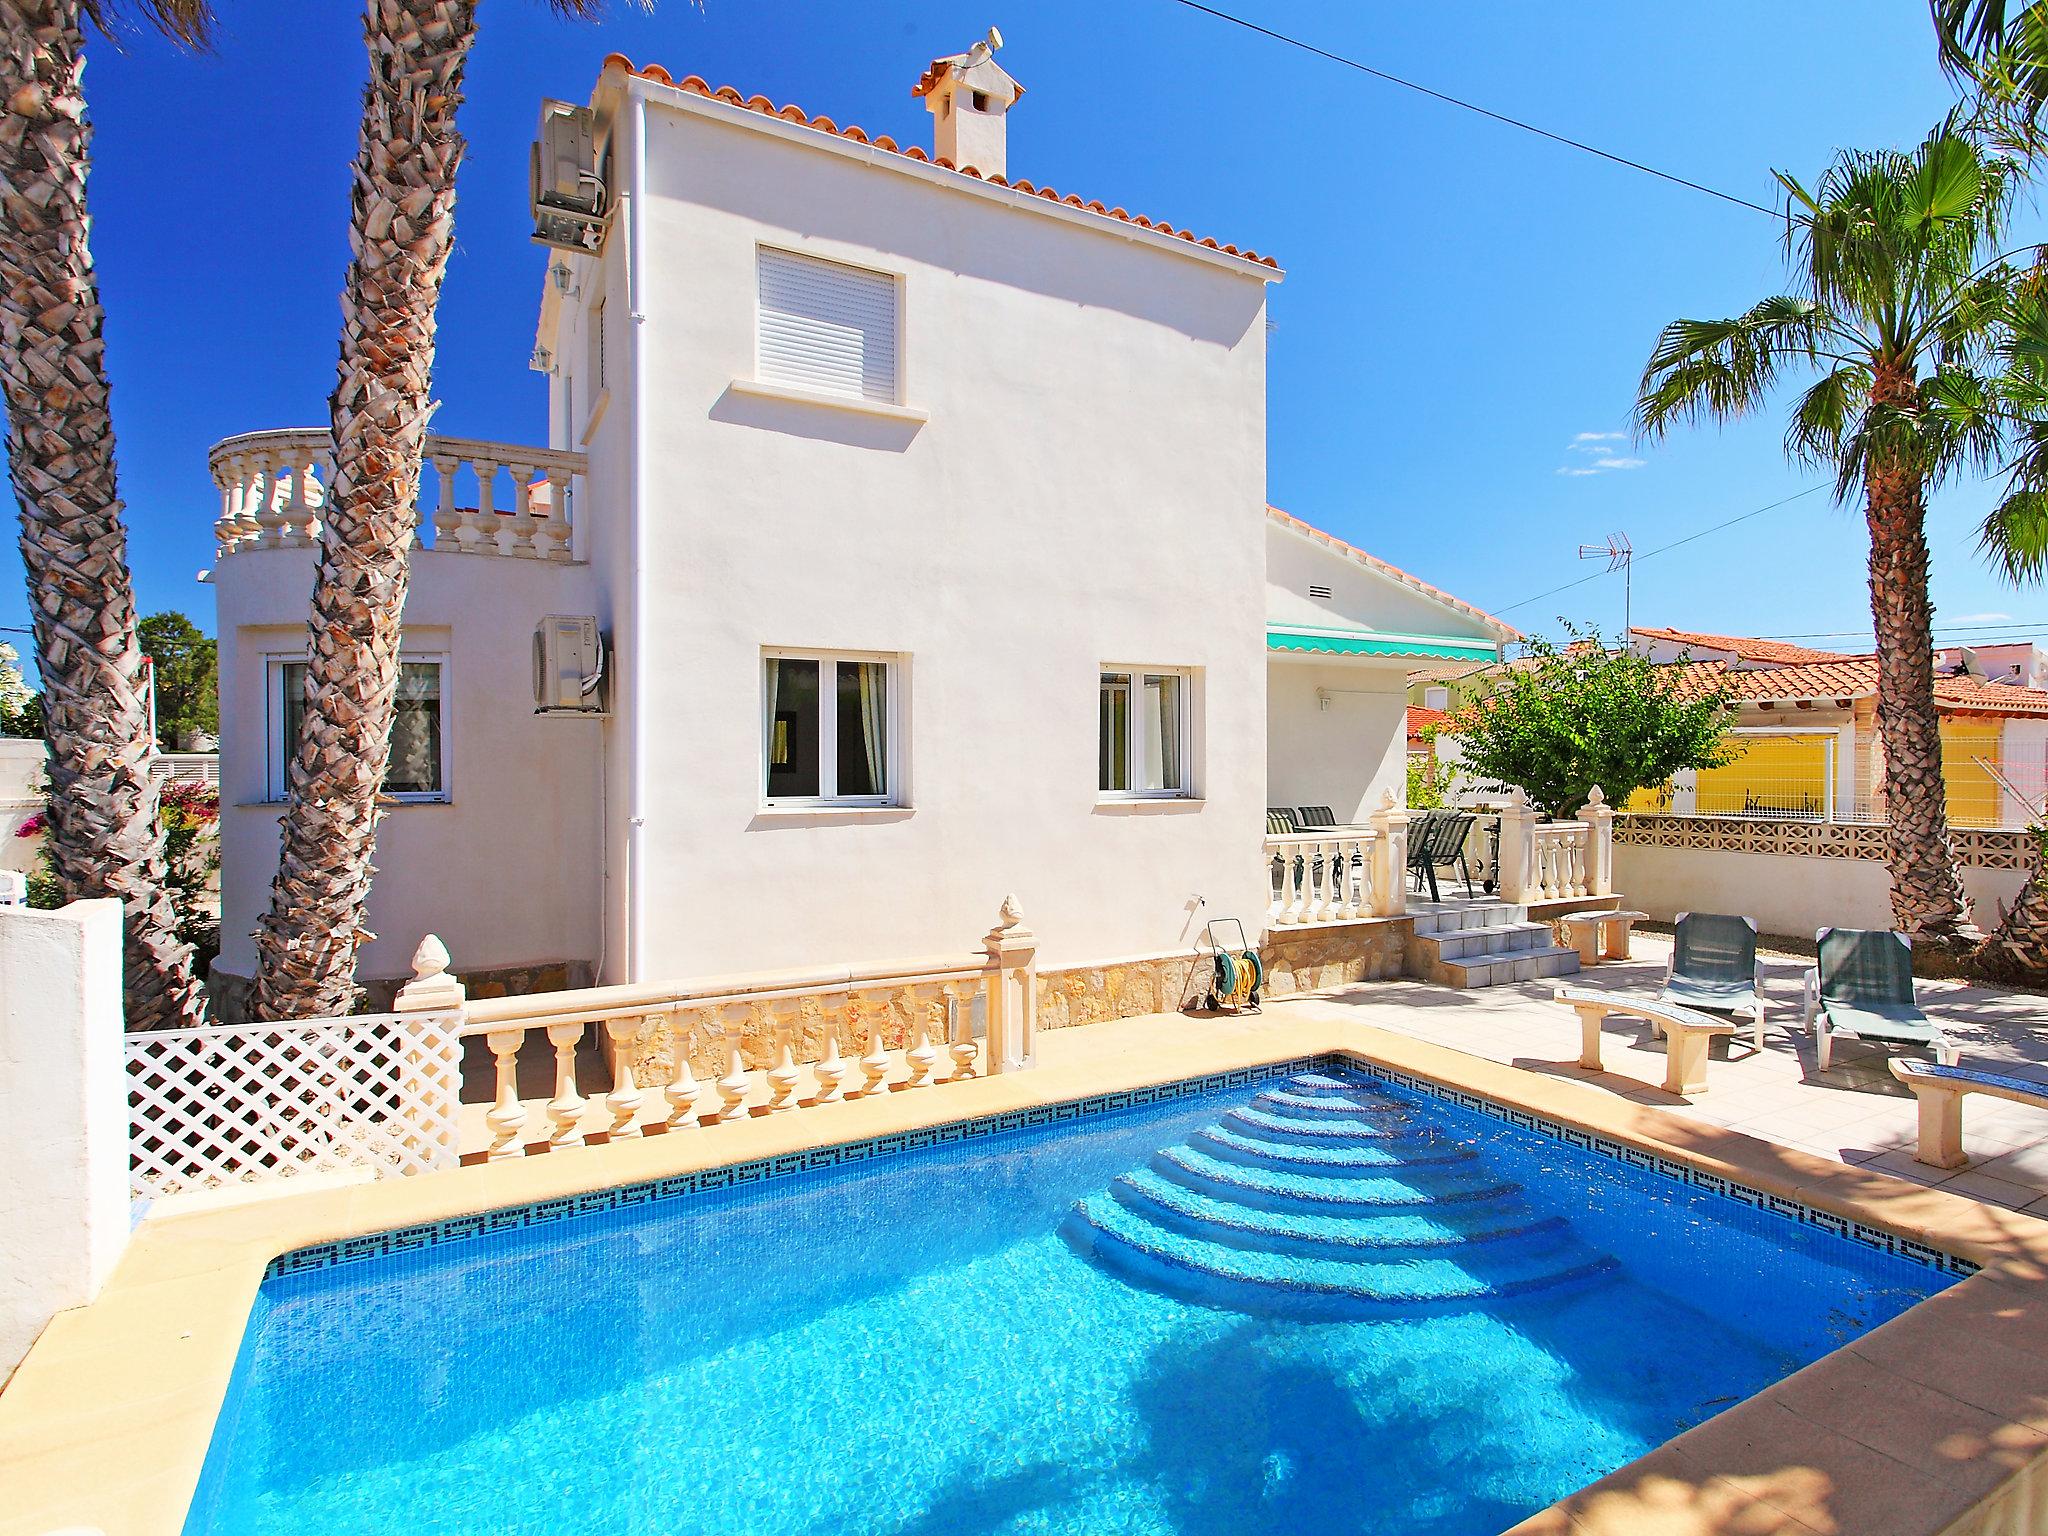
826,328
1144,733
418,769
829,726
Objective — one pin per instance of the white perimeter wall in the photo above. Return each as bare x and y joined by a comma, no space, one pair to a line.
1089,487
1786,894
1344,756
507,872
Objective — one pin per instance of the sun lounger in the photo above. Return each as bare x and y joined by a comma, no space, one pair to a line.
1713,967
1862,989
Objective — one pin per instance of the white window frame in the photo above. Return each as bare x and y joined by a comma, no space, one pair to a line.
893,718
1189,683
276,774
896,281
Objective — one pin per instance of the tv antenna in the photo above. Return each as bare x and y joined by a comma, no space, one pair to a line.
1620,555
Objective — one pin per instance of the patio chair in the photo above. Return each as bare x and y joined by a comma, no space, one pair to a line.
1862,989
1316,818
1280,821
1713,967
1438,838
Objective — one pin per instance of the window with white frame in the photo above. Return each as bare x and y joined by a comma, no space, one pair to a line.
827,327
1143,737
418,769
829,728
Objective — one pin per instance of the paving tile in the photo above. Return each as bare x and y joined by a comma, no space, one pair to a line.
1979,1185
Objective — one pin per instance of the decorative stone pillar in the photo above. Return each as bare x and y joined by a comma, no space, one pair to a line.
1389,858
432,989
1012,992
1599,818
1517,873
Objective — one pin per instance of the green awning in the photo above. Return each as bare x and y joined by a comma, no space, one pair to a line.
1309,642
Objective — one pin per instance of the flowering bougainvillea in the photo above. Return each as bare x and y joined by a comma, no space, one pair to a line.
189,812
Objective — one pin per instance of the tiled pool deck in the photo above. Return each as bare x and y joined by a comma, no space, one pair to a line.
1858,1113
1935,1424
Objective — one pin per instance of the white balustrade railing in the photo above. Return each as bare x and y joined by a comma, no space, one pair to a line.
828,1036
488,498
1556,860
1321,877
241,1103
1563,860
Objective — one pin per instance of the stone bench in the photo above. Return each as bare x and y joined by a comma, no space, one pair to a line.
1600,935
1940,1090
1686,1034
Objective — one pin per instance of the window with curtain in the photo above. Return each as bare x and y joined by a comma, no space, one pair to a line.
826,728
418,769
1143,733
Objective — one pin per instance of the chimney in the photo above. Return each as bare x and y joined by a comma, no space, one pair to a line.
969,94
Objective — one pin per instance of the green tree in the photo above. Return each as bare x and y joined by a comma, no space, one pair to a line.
1581,715
186,665
21,707
1909,313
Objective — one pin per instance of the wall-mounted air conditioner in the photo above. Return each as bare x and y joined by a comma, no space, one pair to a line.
571,208
569,666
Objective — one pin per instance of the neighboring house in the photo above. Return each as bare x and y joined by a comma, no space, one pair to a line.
924,513
1806,726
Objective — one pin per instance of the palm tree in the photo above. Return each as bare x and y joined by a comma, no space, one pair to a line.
2002,50
104,837
401,230
1905,308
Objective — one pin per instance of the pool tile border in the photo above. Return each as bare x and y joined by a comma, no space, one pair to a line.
456,1229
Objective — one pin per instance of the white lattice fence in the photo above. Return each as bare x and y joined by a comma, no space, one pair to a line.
239,1103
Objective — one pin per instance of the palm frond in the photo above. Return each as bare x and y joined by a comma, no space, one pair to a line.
2014,536
1719,369
1827,416
189,22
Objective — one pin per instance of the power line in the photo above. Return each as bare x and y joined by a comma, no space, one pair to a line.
1945,629
1651,554
1455,101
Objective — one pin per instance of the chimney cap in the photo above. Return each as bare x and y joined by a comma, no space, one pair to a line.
975,70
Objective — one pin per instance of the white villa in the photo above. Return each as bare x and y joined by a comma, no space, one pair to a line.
919,516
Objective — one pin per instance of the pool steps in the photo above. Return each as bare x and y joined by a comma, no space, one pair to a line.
1322,1199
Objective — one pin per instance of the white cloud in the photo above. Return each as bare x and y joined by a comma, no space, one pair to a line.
1977,618
1606,452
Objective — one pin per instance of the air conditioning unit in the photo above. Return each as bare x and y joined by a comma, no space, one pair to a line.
569,666
571,210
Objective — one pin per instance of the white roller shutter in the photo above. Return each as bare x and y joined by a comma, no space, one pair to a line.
827,327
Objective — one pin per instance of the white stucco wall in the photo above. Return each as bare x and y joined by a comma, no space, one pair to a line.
1089,487
63,1115
1342,756
507,872
1784,893
21,796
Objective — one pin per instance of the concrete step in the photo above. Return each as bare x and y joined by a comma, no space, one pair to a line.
1474,943
1496,970
1458,919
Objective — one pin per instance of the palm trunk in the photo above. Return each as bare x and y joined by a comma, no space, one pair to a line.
2018,951
1927,894
403,210
104,838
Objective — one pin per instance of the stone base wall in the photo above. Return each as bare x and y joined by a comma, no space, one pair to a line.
1310,959
231,994
1092,994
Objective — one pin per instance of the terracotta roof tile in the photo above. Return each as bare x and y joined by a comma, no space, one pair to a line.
1353,552
696,85
1855,677
1740,645
1420,718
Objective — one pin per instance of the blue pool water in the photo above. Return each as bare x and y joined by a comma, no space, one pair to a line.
1315,1304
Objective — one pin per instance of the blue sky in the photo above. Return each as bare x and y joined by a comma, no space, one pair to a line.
1465,313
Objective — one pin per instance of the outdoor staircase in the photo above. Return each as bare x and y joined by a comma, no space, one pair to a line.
1326,1198
1484,944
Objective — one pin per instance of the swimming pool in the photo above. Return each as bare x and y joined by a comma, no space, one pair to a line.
1328,1300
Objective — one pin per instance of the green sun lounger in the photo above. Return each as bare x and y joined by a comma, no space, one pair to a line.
1862,989
1713,967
